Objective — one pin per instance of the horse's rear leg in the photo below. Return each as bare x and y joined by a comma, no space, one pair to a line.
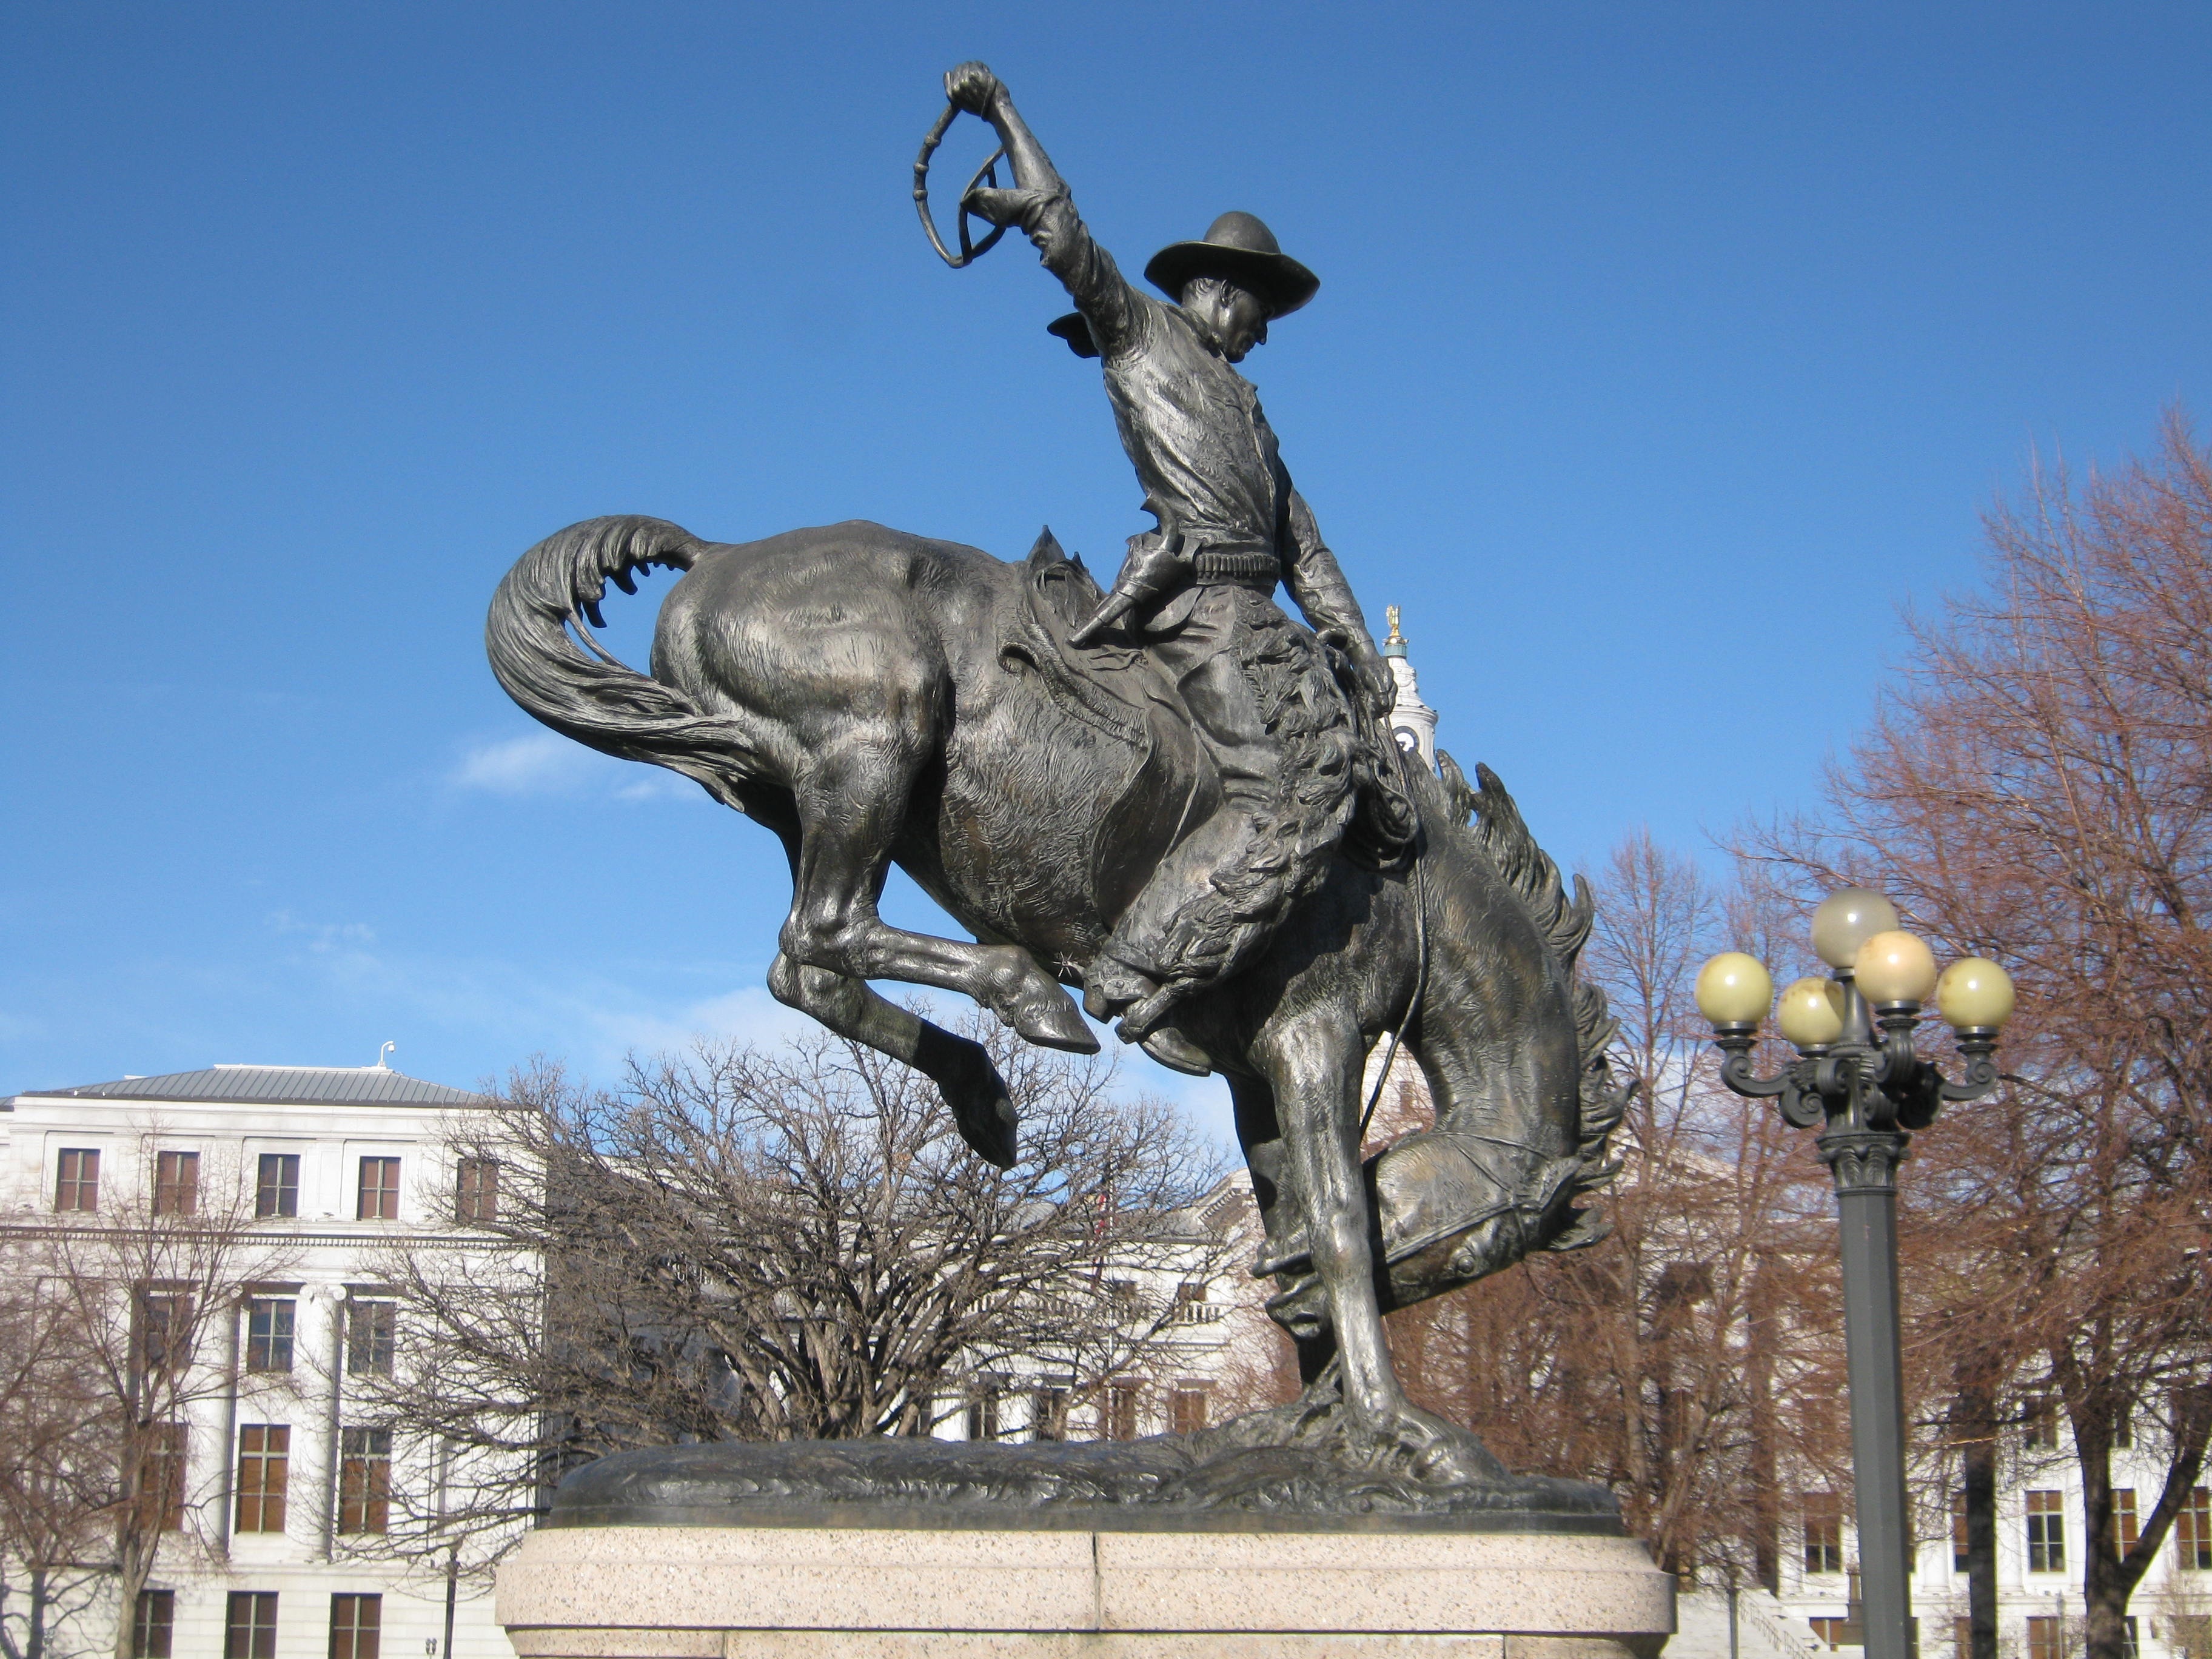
961,1068
852,807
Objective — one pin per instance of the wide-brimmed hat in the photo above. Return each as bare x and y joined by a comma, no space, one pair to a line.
1237,247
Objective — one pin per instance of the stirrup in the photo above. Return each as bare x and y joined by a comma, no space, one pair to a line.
1110,984
1149,1013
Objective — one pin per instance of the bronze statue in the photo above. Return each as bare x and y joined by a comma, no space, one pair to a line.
1187,815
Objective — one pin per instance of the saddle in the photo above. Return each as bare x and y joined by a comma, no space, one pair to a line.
1119,691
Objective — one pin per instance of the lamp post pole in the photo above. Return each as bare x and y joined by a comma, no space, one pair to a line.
1859,1080
1863,1161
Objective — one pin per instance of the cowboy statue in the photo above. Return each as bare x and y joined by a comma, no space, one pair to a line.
1171,795
1295,758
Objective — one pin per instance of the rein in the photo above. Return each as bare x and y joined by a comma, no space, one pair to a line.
1420,945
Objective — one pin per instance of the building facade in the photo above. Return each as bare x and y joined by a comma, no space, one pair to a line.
267,1195
2041,1541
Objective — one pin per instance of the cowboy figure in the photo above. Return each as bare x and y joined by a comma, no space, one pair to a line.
1199,587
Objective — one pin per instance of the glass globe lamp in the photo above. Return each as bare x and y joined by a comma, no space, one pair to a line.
1847,920
1974,994
1811,1012
1734,989
1894,967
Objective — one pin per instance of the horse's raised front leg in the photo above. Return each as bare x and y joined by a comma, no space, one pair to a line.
852,807
961,1068
1313,1065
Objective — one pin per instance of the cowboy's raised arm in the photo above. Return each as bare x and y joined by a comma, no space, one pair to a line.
1316,583
1039,204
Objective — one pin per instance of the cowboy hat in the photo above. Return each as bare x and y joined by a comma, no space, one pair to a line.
1237,247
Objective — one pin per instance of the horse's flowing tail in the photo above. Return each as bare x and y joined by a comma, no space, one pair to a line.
1566,922
544,655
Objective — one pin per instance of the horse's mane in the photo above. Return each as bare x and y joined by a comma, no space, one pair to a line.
1495,822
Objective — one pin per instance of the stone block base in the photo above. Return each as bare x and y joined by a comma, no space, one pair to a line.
884,1593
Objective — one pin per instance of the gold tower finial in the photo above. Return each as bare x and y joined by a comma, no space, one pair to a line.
1390,615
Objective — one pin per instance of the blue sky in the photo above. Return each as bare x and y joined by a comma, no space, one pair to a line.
1662,353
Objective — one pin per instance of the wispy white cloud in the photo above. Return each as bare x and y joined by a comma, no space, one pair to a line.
657,783
535,764
746,1015
324,937
546,764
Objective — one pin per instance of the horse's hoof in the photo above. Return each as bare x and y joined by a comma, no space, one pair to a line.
1050,1020
1468,1464
987,1120
1440,1453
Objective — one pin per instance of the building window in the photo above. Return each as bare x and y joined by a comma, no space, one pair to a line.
250,1625
2039,1424
379,1190
2190,1635
176,1183
356,1624
2045,1637
1836,1632
1959,1559
153,1624
365,1481
269,1332
371,1338
165,1333
1048,1414
1191,1307
476,1189
2124,1533
1117,1413
983,1410
277,1185
2046,1532
1824,1532
2192,1531
2123,1426
1962,1639
76,1181
2131,1645
161,1477
1187,1404
265,1451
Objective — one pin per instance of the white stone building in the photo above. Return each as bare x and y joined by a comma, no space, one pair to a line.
286,1552
1209,1346
2040,1544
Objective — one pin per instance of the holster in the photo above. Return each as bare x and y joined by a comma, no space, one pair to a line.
1154,570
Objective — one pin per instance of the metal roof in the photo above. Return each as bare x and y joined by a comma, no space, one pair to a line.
290,1085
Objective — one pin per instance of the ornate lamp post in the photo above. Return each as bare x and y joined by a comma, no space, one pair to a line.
1859,1080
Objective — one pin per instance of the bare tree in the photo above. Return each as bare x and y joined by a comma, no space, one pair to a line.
2038,788
51,1542
116,1356
790,1244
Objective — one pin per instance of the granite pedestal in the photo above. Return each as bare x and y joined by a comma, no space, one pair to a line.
919,1550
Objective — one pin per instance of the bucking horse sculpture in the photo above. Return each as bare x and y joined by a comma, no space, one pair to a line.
873,697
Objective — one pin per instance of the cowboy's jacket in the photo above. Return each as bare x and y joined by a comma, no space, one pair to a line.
1193,430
